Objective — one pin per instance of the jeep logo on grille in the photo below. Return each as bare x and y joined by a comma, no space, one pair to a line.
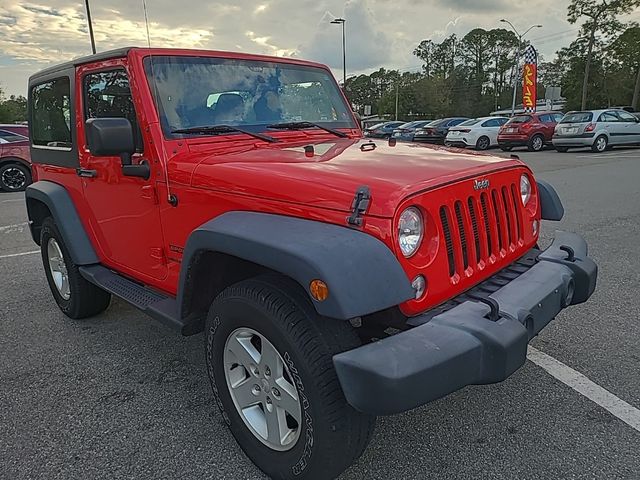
481,184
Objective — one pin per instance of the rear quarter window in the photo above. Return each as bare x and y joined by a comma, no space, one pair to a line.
521,119
51,114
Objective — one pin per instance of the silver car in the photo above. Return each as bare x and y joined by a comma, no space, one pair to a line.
598,129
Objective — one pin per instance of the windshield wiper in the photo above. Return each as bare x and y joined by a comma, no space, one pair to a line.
216,129
304,125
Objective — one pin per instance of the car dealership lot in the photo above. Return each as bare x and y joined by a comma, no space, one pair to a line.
120,396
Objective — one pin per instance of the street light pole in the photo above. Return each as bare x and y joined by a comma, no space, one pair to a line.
93,42
517,75
342,21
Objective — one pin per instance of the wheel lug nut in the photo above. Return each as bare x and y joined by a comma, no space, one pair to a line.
268,400
267,371
256,389
275,392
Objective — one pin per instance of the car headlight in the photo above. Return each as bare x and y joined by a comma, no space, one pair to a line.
525,189
410,231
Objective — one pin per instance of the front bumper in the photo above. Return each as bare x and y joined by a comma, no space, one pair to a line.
467,345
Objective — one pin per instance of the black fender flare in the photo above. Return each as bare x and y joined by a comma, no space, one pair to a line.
550,203
59,202
362,273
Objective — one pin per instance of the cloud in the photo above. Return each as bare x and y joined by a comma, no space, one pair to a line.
37,33
368,45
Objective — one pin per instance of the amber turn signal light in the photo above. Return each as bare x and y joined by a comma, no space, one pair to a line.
319,290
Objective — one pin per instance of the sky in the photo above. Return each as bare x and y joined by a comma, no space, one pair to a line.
380,33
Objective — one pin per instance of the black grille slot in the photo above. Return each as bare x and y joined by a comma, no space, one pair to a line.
446,230
507,215
463,235
474,224
496,211
487,227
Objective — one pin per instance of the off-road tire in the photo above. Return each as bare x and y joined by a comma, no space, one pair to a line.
596,147
536,143
23,174
85,298
333,434
483,143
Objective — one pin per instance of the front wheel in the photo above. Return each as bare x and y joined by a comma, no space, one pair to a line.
14,177
600,145
269,359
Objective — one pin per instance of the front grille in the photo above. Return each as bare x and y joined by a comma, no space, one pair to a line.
487,224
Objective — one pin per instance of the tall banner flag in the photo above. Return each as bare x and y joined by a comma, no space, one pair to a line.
530,79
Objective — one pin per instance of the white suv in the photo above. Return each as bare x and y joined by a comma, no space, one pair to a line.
598,129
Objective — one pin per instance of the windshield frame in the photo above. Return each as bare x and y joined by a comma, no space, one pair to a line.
336,98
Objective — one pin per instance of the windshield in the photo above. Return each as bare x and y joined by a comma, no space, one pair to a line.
197,91
577,117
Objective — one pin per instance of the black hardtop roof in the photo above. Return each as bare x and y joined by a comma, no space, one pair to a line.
116,53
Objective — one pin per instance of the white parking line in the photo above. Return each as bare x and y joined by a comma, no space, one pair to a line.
19,254
12,228
581,384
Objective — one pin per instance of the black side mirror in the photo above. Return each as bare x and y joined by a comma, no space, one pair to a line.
107,137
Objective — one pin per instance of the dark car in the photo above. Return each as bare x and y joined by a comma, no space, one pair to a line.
436,131
15,165
406,131
13,133
531,130
382,130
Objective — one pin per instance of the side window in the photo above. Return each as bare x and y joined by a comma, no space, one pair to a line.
626,117
107,94
51,114
11,137
546,118
609,117
557,117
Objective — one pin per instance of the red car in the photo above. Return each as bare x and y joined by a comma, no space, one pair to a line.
15,166
531,130
335,278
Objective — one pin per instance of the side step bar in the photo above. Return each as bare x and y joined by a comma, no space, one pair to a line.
160,307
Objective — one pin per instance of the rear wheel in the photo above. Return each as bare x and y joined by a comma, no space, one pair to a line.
269,358
76,297
536,143
14,177
483,143
601,144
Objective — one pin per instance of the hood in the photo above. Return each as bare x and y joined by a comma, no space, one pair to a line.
330,176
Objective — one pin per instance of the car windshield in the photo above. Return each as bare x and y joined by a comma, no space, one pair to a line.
472,121
577,117
202,91
520,119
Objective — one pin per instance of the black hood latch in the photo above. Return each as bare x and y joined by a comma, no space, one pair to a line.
359,206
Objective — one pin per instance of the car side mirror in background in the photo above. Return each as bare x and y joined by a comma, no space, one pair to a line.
107,137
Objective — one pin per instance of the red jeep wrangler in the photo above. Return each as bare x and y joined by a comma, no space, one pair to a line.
335,279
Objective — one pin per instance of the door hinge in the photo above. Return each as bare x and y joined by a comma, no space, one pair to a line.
359,206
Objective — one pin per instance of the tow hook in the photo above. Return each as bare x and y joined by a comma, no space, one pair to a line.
571,254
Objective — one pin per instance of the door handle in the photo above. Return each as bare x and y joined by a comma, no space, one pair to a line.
86,173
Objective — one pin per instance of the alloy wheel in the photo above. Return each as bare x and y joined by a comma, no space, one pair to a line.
58,268
262,389
13,178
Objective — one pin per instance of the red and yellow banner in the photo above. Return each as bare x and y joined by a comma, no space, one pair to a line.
530,80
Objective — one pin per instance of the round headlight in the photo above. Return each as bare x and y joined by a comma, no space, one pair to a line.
410,230
525,189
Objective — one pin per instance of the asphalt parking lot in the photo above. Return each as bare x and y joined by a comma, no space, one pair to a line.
118,396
